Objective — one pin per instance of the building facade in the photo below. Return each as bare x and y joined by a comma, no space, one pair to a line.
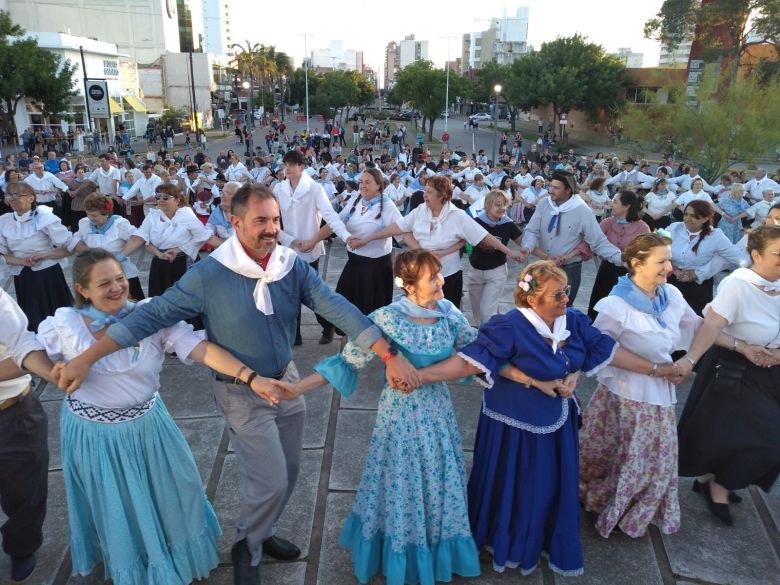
504,41
392,64
411,50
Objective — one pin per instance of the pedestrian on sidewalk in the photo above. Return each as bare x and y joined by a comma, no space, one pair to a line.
249,292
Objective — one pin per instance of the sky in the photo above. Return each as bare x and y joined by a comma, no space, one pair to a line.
369,26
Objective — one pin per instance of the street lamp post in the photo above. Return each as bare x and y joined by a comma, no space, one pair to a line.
497,89
249,113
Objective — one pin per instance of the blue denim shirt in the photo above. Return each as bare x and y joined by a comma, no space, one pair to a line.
224,300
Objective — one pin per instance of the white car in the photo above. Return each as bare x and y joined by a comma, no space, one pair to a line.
482,117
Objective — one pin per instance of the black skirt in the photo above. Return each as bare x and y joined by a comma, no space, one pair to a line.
164,274
655,224
695,294
136,293
731,422
367,283
606,277
453,288
41,292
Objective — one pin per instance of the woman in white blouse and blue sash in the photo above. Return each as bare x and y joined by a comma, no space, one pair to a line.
32,240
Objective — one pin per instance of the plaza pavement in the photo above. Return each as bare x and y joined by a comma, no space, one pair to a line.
337,433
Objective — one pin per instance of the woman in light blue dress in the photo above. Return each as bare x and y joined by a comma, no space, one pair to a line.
410,518
732,207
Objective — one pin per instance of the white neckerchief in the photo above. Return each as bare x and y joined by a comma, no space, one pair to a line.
559,332
572,203
434,223
690,233
756,279
232,256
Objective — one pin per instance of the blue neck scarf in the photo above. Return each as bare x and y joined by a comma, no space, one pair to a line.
217,217
94,229
408,308
633,295
100,318
622,221
483,217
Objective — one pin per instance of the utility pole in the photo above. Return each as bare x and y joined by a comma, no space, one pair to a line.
194,102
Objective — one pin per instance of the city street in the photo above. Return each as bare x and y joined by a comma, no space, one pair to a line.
704,552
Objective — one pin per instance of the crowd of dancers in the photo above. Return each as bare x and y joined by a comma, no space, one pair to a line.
235,253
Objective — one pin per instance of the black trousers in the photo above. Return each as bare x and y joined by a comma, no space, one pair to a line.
574,272
326,325
24,466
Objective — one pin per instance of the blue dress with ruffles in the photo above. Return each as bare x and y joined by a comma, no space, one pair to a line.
410,517
523,490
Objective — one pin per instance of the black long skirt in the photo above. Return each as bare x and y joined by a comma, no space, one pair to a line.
731,422
135,291
655,224
164,274
41,292
606,277
453,288
367,283
695,294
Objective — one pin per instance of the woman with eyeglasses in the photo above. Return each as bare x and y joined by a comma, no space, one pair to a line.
628,448
101,229
173,234
32,241
523,491
729,431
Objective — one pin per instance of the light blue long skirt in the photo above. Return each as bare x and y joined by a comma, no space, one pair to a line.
136,501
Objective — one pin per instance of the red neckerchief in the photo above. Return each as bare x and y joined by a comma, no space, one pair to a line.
261,260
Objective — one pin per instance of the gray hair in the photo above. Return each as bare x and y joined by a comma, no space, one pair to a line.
232,185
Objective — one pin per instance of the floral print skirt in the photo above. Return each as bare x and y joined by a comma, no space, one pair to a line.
628,465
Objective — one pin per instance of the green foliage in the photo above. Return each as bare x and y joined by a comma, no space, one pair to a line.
424,88
26,70
745,22
173,117
297,86
340,89
733,124
568,73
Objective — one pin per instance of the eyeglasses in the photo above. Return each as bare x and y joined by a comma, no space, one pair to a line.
559,295
164,197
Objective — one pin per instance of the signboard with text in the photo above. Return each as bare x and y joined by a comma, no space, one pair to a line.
97,98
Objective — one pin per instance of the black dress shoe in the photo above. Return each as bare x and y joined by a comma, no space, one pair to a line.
22,568
327,337
720,511
281,549
698,487
243,571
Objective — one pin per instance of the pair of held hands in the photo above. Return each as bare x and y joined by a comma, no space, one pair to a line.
756,354
168,255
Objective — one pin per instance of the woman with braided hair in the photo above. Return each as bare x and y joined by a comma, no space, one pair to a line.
367,278
695,243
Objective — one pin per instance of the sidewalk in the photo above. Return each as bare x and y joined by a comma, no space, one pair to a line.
337,432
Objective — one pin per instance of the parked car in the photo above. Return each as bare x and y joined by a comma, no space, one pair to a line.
481,117
407,115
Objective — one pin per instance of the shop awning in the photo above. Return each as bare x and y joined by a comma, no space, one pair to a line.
135,103
114,106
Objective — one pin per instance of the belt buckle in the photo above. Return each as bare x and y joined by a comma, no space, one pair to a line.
8,403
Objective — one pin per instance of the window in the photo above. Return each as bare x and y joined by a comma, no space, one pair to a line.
641,95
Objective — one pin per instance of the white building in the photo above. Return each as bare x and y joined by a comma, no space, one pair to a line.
336,58
140,29
504,41
630,59
411,50
217,29
103,61
677,57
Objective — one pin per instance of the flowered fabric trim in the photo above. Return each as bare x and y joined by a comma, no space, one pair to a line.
109,415
525,426
605,363
488,381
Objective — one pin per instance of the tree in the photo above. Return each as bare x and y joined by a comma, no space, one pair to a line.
485,81
424,88
28,71
257,62
737,123
341,89
567,73
744,22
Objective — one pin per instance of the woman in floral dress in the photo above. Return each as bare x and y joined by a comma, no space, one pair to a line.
628,442
410,518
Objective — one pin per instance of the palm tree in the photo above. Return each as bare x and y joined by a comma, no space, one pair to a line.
284,69
247,63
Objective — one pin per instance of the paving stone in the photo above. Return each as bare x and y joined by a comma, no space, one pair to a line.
707,550
203,436
467,401
772,501
271,574
296,522
353,433
51,393
317,416
637,564
371,382
52,410
55,537
187,390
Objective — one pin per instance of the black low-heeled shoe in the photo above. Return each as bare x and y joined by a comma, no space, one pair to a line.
698,487
720,511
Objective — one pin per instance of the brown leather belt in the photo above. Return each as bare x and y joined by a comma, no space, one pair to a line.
8,403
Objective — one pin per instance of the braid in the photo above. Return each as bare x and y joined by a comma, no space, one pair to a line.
381,206
706,230
354,206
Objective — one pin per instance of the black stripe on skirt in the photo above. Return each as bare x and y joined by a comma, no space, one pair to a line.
41,292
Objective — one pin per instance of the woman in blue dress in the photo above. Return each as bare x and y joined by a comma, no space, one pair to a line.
410,518
523,490
732,207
